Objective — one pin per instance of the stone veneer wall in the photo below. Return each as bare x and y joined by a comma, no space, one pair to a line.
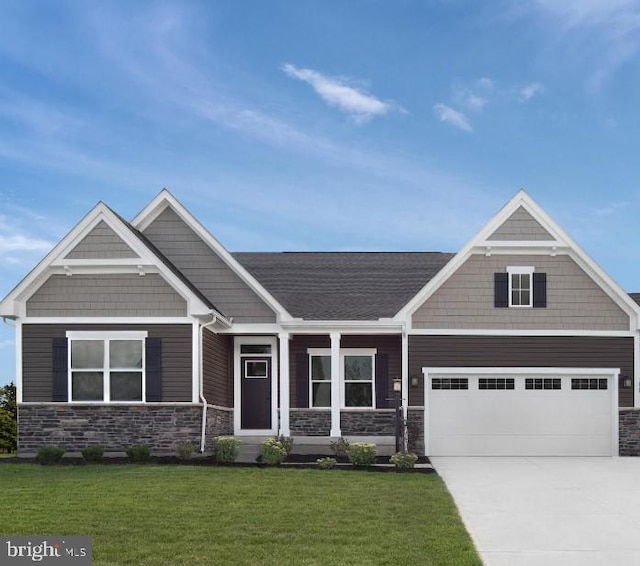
629,431
415,430
380,422
219,423
310,422
115,427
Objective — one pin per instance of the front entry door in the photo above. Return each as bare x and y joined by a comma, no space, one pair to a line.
255,393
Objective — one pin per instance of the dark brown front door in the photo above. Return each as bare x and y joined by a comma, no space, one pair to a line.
255,392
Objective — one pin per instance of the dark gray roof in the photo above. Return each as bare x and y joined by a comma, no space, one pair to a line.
635,297
343,285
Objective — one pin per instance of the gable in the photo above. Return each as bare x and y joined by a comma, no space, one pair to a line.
101,243
520,226
206,269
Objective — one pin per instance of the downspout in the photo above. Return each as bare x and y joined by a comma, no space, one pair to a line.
201,392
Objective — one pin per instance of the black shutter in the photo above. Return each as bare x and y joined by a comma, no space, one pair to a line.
382,381
60,369
302,380
539,290
153,361
501,290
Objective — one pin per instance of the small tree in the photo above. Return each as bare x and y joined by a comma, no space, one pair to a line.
8,418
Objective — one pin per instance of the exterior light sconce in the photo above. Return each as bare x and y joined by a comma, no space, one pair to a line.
397,384
415,380
627,382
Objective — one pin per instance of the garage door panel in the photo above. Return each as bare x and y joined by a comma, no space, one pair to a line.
519,421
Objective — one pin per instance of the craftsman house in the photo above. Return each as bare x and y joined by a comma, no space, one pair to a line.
150,331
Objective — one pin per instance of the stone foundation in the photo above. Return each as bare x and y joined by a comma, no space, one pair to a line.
380,422
629,431
219,423
415,430
310,422
115,427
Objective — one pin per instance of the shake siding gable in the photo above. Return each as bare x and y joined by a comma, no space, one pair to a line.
206,270
521,226
467,299
101,243
113,295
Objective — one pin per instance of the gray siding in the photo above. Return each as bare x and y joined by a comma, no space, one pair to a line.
574,301
106,295
184,248
217,373
521,226
37,341
101,243
520,351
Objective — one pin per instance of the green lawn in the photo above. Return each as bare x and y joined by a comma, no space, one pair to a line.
176,515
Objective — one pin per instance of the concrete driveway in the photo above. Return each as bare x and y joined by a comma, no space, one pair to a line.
548,511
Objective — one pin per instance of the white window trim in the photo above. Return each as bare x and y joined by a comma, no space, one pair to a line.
521,270
106,336
358,352
317,352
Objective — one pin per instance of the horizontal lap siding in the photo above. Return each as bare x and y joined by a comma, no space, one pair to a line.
520,351
37,375
101,243
217,372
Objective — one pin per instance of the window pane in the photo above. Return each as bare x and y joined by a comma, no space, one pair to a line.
125,353
320,368
87,354
358,368
525,281
321,395
255,368
358,395
524,298
86,386
515,297
126,386
255,349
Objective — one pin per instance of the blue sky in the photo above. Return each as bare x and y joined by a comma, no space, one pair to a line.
333,125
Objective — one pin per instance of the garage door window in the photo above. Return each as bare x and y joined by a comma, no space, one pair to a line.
496,383
450,383
543,383
589,383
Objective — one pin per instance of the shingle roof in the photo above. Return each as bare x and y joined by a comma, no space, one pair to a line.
343,285
635,297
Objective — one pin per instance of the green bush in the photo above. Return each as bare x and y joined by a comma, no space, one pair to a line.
184,450
92,453
362,454
286,442
340,447
272,452
138,453
403,460
326,463
48,455
226,449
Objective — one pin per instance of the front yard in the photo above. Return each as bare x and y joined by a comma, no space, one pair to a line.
176,515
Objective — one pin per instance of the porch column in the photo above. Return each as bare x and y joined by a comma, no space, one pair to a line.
283,373
405,383
335,384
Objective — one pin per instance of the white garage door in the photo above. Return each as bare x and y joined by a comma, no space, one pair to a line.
521,412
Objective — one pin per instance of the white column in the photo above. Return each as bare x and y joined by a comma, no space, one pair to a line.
636,369
18,339
283,363
405,382
335,385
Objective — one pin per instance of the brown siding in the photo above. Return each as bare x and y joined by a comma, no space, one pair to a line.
519,351
206,270
521,226
574,300
37,341
101,243
217,369
123,294
389,344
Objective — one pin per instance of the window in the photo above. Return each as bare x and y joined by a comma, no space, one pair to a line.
450,383
543,383
320,375
256,369
520,286
358,368
106,366
496,383
589,383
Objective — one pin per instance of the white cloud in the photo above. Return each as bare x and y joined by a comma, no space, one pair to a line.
450,116
337,92
527,92
22,243
485,83
471,100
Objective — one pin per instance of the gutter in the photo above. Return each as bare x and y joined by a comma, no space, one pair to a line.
201,392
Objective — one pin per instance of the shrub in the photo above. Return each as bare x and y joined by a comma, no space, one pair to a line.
362,454
48,455
286,442
272,452
340,447
184,450
92,453
226,449
326,463
403,460
138,453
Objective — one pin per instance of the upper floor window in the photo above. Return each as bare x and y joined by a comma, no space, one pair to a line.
106,366
520,287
